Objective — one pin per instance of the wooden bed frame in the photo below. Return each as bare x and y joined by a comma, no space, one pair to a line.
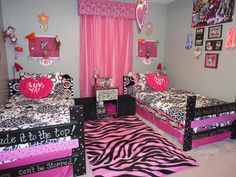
190,138
74,129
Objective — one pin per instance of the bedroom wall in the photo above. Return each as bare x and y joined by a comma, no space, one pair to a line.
187,72
157,15
64,22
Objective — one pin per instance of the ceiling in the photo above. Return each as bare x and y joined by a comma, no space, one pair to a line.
154,1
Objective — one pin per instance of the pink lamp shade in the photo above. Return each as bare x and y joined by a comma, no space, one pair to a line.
159,66
17,67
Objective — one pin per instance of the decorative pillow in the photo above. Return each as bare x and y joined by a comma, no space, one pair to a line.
36,88
157,82
56,79
141,77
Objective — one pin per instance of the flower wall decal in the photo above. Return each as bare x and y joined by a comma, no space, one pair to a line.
43,20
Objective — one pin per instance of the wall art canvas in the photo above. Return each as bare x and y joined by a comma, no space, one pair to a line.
212,12
199,36
44,49
147,49
213,45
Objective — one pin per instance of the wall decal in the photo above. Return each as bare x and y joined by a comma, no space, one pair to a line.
189,41
44,49
149,28
212,12
199,36
197,52
141,11
11,39
230,41
43,20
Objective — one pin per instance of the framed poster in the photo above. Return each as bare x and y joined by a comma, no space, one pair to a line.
213,45
211,60
215,32
199,36
206,12
147,49
43,47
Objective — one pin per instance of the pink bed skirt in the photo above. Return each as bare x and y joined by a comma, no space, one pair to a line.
175,132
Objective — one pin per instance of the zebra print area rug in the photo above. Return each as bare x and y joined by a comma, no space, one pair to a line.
127,147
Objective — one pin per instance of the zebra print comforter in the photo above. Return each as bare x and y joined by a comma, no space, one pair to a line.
128,147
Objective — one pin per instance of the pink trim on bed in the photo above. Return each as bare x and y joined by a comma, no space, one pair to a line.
160,124
173,131
199,123
37,150
211,139
57,172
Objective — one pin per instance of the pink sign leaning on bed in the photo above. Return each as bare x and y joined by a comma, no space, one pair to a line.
157,82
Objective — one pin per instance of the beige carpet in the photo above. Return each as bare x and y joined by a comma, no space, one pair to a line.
215,160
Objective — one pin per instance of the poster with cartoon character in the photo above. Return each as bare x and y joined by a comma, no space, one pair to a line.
212,12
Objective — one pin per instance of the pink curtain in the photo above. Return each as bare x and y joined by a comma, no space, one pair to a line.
106,45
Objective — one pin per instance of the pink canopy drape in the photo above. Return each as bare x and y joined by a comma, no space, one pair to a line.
106,45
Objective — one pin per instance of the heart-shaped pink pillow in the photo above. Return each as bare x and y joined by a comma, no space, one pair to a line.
157,82
36,88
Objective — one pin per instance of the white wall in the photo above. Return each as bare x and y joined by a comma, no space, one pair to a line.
64,22
184,69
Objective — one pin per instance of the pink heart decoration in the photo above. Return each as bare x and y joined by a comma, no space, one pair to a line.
157,82
36,88
141,11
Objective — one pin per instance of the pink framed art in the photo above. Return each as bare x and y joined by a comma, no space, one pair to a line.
211,60
147,49
41,44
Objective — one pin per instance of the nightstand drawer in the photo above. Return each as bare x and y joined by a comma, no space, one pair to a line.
106,94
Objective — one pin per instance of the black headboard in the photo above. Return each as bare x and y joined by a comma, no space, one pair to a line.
67,82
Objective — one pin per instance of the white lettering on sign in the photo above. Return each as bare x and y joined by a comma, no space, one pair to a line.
7,140
35,87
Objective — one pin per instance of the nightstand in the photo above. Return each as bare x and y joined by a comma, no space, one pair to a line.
106,102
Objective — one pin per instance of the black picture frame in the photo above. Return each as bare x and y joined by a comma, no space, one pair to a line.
215,32
211,60
213,45
199,36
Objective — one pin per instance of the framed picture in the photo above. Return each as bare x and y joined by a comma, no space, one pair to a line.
147,49
215,32
213,45
211,60
199,36
218,44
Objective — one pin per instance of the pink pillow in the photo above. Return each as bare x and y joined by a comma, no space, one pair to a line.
36,88
157,82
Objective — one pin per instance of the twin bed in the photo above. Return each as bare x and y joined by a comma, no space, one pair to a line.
195,119
42,137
